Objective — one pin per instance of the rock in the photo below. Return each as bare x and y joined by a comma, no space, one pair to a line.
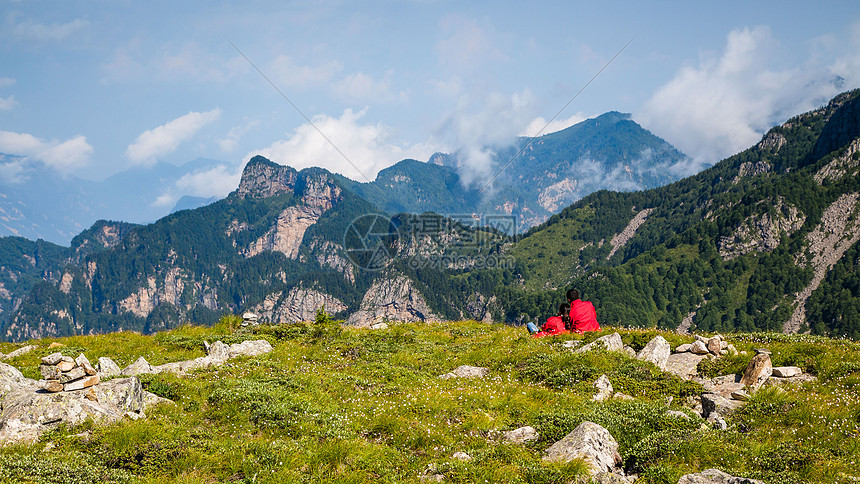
786,371
73,374
84,363
701,338
731,349
715,345
762,351
82,383
52,359
151,399
699,347
50,372
52,386
20,351
622,396
55,345
392,299
107,368
610,478
461,456
589,442
218,351
520,435
712,402
678,414
629,351
66,365
758,371
27,413
683,365
717,421
140,366
715,476
740,395
610,342
657,351
604,389
432,478
380,325
466,371
683,348
571,343
11,379
795,380
91,395
248,348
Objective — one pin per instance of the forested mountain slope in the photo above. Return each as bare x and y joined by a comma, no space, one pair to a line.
766,239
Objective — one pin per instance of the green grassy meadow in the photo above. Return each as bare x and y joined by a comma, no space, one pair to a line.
333,404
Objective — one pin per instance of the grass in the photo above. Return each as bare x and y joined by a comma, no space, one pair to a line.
353,405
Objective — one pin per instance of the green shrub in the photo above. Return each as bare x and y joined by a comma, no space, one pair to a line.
159,385
726,365
56,469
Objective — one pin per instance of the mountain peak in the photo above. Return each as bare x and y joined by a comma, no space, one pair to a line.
263,178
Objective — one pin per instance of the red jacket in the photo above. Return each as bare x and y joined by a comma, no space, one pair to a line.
553,326
583,317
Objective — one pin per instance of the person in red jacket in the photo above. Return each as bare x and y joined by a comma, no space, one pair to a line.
558,324
582,315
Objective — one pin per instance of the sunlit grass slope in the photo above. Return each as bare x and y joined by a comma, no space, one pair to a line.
334,404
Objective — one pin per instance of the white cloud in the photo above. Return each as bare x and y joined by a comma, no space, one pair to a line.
11,171
481,123
723,105
539,125
231,141
284,72
367,147
364,88
166,138
213,182
6,81
63,156
29,30
8,103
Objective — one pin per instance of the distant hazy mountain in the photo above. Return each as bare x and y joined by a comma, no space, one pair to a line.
535,177
56,208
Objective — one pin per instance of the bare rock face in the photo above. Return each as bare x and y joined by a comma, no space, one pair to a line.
620,240
107,367
300,304
138,367
610,342
762,232
263,178
683,364
715,476
657,351
758,371
392,299
589,442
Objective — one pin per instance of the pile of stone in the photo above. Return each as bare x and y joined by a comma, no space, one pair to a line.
64,374
715,345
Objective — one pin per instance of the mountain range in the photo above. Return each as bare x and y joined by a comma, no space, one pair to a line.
766,239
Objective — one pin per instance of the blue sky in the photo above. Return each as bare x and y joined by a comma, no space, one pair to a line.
91,88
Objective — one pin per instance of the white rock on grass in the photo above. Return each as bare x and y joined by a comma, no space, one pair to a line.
20,351
520,435
699,347
715,476
610,342
589,442
107,368
683,348
140,366
461,456
466,371
604,389
786,371
657,351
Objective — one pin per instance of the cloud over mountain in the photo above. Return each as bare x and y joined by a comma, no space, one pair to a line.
166,138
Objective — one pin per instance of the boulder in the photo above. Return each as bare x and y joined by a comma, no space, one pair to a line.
140,366
466,371
678,414
683,365
714,403
629,351
461,456
107,368
786,371
52,359
683,348
610,342
520,435
248,348
699,347
589,442
11,378
52,386
715,476
604,389
657,351
218,351
20,351
26,412
758,371
715,345
50,372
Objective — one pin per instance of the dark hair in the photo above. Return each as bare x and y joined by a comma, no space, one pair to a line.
564,312
572,295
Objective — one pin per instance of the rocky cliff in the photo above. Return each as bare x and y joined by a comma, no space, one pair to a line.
392,298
